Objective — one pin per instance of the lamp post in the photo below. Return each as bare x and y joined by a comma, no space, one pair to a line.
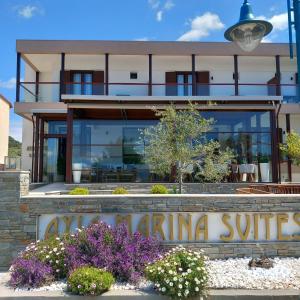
248,32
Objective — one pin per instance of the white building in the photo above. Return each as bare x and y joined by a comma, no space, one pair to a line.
84,103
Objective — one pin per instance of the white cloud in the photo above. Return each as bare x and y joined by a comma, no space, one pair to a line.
154,3
169,5
143,39
266,40
159,15
160,7
29,11
8,84
202,26
279,22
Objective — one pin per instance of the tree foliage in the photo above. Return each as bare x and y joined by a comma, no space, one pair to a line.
14,147
292,147
178,140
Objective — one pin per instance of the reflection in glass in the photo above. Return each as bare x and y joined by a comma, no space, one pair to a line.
54,160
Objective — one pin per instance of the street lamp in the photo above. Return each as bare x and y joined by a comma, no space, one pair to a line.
248,32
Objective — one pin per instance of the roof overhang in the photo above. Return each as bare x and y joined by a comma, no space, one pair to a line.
145,48
6,101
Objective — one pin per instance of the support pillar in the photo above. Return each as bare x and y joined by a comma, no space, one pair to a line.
150,76
36,149
288,131
106,74
18,77
62,76
236,75
194,83
70,116
275,150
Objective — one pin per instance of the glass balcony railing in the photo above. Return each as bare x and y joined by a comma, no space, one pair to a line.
50,91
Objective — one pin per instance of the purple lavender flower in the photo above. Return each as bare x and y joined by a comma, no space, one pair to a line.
115,250
30,273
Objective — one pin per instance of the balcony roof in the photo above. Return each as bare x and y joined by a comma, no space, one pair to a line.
146,47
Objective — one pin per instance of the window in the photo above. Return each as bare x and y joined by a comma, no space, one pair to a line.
133,75
184,84
82,83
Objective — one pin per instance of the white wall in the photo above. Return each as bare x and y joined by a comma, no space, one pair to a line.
255,70
4,129
26,145
119,72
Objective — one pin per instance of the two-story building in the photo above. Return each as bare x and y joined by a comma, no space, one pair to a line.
85,103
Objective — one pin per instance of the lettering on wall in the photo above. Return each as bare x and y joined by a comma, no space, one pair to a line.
187,227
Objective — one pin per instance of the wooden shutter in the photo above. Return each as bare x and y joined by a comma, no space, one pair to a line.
66,79
171,84
272,88
98,83
202,79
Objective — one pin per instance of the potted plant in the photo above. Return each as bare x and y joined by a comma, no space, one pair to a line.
77,167
264,165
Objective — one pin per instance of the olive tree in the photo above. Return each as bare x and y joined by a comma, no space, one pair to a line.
292,147
179,142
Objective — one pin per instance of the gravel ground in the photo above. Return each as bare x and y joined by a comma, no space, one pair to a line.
235,273
228,274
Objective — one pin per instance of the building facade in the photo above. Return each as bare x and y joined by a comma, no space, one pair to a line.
5,107
85,104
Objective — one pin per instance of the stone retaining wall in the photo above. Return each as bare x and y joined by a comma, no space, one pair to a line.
19,214
189,188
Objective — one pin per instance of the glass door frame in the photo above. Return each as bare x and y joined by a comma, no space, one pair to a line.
57,137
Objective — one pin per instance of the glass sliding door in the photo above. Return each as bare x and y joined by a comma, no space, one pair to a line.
54,160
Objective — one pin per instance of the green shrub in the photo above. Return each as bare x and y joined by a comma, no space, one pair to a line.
159,189
119,191
89,281
50,252
181,273
79,191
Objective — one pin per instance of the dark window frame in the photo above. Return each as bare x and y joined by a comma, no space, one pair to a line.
82,84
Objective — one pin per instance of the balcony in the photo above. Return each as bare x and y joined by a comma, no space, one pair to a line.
52,91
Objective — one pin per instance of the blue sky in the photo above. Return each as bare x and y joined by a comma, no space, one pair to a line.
197,20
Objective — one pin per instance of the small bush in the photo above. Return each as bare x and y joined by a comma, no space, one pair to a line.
30,273
79,191
159,189
90,281
123,254
179,274
51,252
119,191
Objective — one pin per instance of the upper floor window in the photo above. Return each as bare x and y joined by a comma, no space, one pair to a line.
82,83
184,84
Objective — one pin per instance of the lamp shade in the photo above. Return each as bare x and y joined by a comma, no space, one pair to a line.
248,32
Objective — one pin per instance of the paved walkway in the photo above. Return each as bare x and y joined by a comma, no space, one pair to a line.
7,293
49,188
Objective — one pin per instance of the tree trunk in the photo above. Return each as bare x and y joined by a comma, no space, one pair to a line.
180,178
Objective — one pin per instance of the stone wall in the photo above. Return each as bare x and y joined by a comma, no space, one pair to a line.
189,188
19,214
16,229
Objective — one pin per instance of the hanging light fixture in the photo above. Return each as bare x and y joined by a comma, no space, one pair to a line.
248,32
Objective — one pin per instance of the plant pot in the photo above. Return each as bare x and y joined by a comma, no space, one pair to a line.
77,172
265,172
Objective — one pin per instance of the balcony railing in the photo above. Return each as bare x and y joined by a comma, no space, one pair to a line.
51,91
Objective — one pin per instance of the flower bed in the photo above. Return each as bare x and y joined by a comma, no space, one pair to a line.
98,246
